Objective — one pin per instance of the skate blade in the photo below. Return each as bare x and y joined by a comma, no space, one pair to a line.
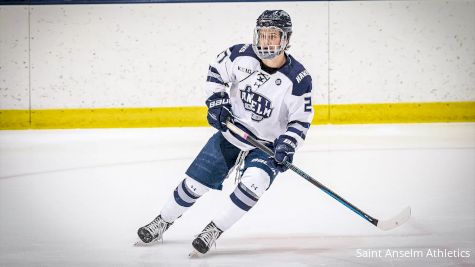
195,254
140,243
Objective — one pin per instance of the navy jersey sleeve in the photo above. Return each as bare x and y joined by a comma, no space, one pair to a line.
299,105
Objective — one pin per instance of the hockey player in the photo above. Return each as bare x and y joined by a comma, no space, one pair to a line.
267,93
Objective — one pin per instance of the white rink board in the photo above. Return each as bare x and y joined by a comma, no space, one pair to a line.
77,197
150,55
14,61
402,51
155,55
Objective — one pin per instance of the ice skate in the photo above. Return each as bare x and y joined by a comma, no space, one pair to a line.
153,231
205,240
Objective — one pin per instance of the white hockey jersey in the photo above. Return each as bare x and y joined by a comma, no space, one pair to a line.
265,102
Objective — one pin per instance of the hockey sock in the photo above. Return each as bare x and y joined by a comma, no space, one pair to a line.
184,196
254,183
230,214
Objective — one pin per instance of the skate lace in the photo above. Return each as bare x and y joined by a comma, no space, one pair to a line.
209,236
157,227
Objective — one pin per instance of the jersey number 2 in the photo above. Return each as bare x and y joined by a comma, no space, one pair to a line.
308,104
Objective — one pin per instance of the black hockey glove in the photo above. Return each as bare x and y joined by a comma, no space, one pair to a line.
284,149
219,110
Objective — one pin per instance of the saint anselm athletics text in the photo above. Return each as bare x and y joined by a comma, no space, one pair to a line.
413,253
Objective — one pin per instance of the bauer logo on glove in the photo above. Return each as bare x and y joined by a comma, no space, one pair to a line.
218,102
284,150
219,110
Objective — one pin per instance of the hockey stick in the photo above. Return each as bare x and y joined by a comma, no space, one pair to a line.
385,225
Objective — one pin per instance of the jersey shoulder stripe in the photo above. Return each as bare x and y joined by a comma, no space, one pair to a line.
240,50
301,79
215,80
214,76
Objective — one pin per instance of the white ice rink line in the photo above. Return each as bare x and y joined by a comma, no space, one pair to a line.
77,197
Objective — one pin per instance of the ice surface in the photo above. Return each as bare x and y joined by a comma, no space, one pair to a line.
77,197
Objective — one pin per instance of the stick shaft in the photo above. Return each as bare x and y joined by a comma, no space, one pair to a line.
298,171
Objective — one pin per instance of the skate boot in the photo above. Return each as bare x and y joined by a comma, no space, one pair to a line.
154,230
206,239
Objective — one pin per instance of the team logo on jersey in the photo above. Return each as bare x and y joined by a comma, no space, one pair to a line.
278,81
261,79
259,105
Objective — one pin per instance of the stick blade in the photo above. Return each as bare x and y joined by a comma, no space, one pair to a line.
396,221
